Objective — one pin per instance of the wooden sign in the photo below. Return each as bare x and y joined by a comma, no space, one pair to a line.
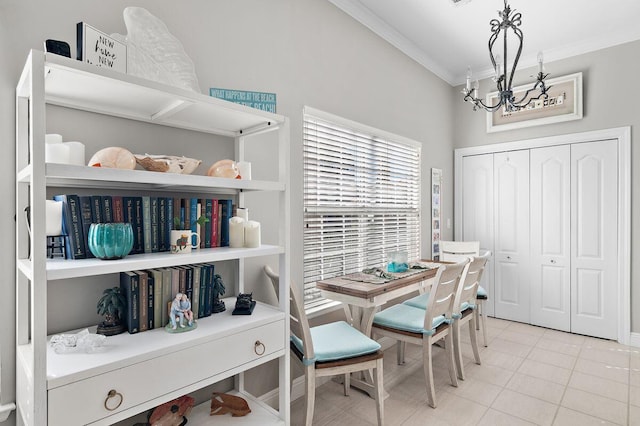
97,48
259,100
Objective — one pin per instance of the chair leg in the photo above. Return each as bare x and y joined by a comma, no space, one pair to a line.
473,336
483,319
379,385
448,347
347,383
400,346
310,380
457,350
477,314
428,371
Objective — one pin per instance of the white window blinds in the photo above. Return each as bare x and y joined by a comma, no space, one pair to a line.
361,199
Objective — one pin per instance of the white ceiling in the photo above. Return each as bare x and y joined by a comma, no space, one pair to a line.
446,38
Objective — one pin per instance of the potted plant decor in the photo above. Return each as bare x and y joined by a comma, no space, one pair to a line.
111,306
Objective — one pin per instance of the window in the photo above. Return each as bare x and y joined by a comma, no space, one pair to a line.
361,198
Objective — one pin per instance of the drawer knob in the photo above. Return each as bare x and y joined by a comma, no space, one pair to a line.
113,394
259,348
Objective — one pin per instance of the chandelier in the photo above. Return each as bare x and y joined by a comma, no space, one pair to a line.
509,20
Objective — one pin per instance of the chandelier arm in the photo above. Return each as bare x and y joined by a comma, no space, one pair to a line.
518,32
478,102
543,92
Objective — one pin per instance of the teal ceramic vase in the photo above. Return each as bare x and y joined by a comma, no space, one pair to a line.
110,240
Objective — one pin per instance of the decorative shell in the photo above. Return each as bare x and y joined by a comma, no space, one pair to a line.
224,169
167,163
113,157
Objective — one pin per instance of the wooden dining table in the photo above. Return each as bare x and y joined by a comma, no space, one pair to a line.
365,298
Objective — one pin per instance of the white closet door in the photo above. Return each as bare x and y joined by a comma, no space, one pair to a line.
477,213
511,215
594,201
551,237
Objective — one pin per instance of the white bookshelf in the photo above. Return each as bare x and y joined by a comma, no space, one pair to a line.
223,346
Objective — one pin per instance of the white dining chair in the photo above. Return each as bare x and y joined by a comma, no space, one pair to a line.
454,251
333,349
424,327
464,309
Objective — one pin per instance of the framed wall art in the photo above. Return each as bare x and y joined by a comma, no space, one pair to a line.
564,103
436,203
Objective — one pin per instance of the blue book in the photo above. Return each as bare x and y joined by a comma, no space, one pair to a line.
129,287
208,213
132,212
169,218
193,219
202,295
146,223
227,212
76,243
155,221
162,224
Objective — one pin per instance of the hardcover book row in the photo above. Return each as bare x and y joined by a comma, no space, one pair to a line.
149,293
152,219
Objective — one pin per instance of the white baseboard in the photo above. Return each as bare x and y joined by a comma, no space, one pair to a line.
634,340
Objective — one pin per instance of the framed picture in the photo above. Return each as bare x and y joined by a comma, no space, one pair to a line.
97,48
564,103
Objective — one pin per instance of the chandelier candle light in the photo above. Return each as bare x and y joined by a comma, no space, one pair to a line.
504,79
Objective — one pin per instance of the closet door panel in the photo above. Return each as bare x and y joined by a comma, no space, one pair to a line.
511,226
477,213
594,200
551,237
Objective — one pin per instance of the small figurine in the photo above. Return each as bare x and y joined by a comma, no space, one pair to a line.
172,412
179,309
244,304
82,341
218,290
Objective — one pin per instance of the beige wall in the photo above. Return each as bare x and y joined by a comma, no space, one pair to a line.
610,95
306,51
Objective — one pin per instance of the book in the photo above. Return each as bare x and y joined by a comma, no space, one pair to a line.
215,223
129,287
118,210
146,222
209,289
175,281
198,226
162,224
169,223
86,215
143,285
97,208
227,211
208,213
166,295
133,215
202,295
157,276
195,300
107,204
155,235
178,216
188,289
182,279
186,214
76,243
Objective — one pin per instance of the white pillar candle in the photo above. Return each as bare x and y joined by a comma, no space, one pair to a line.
244,169
252,234
53,217
53,138
236,232
56,153
76,153
243,212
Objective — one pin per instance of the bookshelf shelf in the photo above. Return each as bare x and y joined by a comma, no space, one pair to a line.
223,345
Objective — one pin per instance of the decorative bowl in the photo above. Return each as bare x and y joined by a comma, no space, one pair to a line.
110,241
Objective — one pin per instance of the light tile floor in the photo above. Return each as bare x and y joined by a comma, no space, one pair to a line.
529,376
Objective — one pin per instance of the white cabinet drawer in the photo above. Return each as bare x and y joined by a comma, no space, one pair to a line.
83,402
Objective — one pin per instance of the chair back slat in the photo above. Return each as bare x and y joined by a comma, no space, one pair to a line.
470,281
443,292
455,251
299,323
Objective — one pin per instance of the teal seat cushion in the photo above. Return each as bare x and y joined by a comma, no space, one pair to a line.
482,293
337,340
406,318
418,301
